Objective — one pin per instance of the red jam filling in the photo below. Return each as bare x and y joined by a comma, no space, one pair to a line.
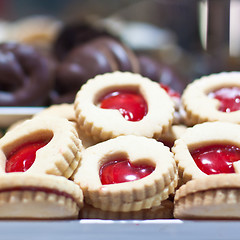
22,158
131,105
215,159
229,99
172,93
121,170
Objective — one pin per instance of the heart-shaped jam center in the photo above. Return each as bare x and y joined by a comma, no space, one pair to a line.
229,98
215,159
22,158
131,105
121,170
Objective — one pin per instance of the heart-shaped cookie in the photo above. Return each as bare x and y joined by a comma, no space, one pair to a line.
48,145
133,192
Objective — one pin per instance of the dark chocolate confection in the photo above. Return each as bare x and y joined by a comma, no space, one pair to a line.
102,55
162,73
26,77
73,35
98,56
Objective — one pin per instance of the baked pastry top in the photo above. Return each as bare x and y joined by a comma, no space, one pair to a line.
141,106
48,145
212,98
207,148
126,174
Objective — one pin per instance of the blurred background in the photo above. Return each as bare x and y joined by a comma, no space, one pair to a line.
196,37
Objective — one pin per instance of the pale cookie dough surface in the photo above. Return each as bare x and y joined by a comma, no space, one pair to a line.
59,157
202,135
64,110
199,107
104,124
212,197
140,194
26,196
67,111
164,211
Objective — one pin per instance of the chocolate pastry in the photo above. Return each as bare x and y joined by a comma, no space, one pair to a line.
86,61
26,76
73,35
103,55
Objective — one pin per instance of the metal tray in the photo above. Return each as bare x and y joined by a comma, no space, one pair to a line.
9,115
119,230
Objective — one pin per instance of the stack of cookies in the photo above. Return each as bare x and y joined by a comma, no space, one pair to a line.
128,148
207,154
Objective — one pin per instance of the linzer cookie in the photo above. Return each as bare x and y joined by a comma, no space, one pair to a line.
127,173
213,98
28,196
206,149
123,103
211,197
163,211
48,145
60,110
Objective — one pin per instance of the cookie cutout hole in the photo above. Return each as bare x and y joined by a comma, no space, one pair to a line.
216,158
21,154
128,101
118,169
228,97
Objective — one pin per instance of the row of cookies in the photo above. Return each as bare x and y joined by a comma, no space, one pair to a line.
207,154
116,157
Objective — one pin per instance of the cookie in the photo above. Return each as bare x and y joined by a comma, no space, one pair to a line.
126,174
211,197
48,145
64,110
208,148
28,196
212,98
123,103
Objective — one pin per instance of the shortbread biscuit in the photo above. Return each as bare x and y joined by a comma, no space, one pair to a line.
64,110
67,111
211,197
202,135
200,107
164,211
60,156
104,124
144,193
27,196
